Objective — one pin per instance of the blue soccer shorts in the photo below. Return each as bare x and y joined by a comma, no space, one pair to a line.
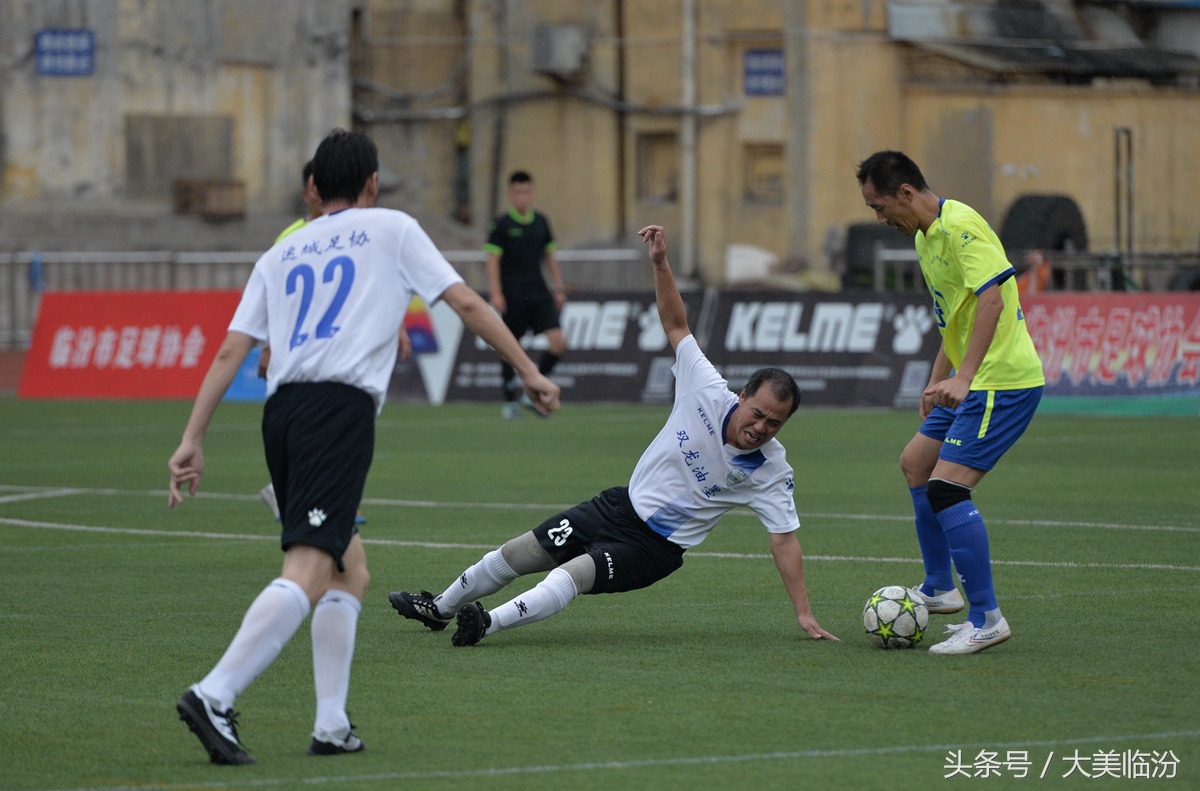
983,427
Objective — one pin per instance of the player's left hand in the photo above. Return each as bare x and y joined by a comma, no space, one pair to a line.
948,393
657,239
814,630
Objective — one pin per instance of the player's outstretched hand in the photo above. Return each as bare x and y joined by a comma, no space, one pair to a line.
657,239
186,465
814,630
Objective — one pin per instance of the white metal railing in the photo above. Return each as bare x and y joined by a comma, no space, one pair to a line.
24,275
898,270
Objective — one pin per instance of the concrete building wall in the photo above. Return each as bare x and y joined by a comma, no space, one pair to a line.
1063,141
458,93
180,88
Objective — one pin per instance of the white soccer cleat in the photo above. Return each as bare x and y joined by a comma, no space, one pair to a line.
942,605
968,639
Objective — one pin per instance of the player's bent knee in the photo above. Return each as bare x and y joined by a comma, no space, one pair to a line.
525,555
583,572
943,494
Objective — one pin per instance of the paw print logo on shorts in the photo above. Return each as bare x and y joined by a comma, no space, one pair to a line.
316,517
910,326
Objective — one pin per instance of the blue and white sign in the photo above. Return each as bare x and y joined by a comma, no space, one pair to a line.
62,52
763,71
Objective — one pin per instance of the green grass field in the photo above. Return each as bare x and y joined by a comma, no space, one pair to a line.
110,605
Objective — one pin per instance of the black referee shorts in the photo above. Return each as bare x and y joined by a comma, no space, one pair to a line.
530,309
628,554
319,439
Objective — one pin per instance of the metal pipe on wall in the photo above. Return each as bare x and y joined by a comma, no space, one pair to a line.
687,143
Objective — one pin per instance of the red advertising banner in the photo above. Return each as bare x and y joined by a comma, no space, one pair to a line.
125,344
1117,344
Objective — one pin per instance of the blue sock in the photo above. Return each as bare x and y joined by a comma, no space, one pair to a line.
935,550
968,540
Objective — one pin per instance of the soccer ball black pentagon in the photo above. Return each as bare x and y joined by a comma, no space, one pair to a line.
894,618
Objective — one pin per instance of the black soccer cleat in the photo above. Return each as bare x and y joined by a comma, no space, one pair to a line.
419,607
473,622
217,731
335,746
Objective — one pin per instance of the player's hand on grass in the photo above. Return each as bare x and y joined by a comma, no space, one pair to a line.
814,630
186,465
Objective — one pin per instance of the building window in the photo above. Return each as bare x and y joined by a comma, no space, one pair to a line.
658,166
762,175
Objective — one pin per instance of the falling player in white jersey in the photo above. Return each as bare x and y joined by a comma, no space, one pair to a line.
717,451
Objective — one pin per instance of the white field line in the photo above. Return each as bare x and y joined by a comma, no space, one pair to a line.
132,531
1142,741
23,493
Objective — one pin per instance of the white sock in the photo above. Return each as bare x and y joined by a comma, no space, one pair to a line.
270,622
489,575
548,597
334,626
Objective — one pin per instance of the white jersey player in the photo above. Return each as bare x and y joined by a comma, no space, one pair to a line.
329,300
717,451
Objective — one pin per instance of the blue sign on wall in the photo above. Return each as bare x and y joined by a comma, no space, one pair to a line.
763,71
63,52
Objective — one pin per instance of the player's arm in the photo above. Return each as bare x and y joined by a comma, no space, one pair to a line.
671,310
557,288
495,294
942,368
789,560
187,462
951,392
481,320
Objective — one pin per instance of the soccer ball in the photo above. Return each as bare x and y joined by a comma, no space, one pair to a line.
893,618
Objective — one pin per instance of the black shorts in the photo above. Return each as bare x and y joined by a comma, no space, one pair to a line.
319,439
530,309
628,554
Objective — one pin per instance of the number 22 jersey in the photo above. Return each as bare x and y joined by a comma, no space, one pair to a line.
329,299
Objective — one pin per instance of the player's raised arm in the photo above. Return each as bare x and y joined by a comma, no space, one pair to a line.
671,310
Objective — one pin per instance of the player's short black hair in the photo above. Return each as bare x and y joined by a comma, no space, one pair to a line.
782,385
887,170
520,177
306,172
342,165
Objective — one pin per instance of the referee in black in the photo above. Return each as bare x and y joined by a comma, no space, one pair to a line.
519,242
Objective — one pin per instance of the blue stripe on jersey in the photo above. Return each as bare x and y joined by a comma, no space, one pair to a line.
725,422
668,519
749,462
1000,278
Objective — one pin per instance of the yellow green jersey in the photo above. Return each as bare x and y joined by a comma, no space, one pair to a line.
297,225
961,256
